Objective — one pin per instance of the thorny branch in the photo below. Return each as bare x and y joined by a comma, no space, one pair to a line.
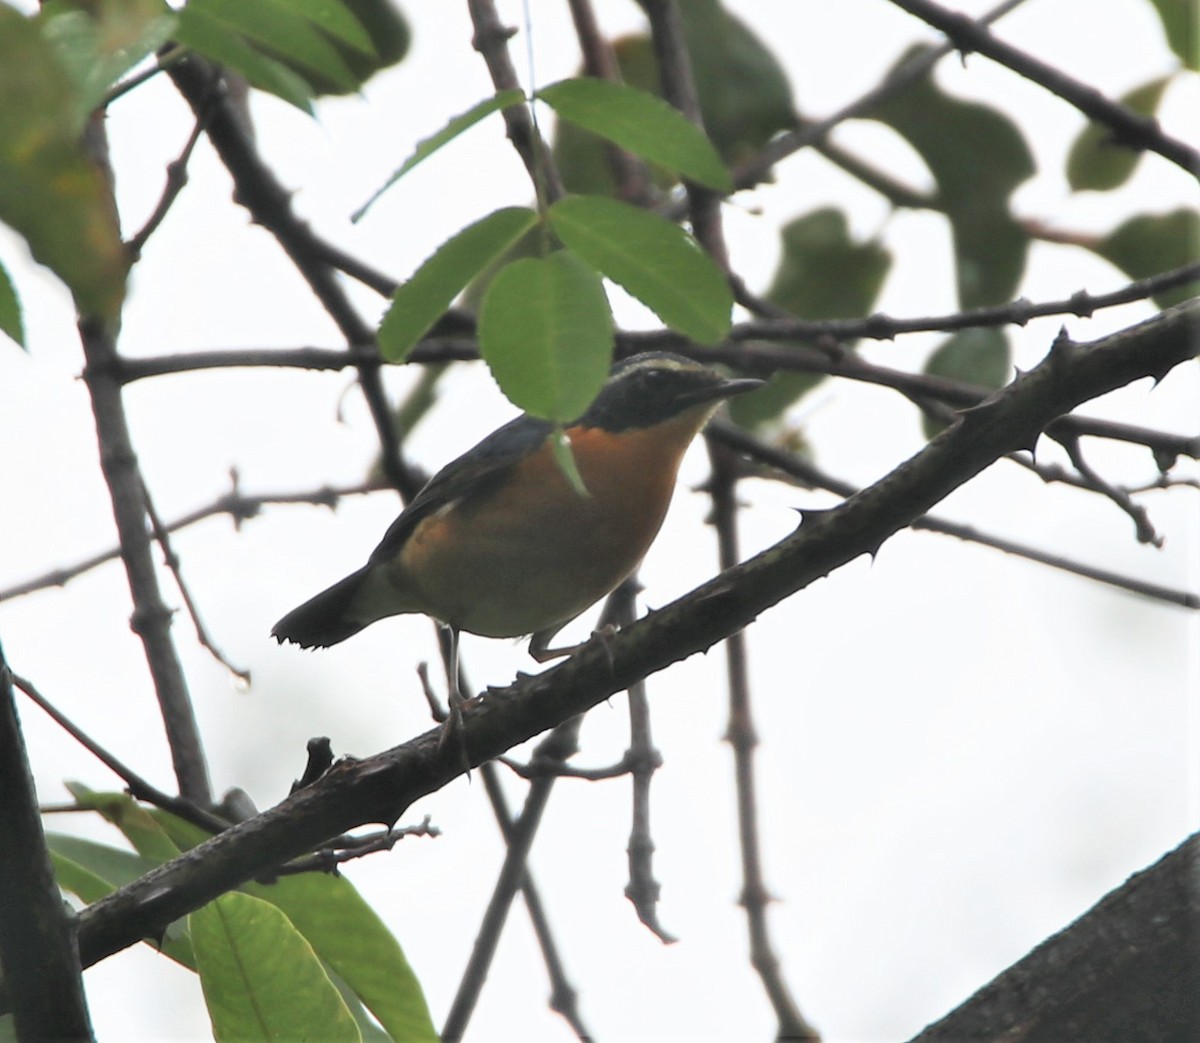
1129,128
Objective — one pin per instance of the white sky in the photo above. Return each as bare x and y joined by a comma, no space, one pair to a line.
961,751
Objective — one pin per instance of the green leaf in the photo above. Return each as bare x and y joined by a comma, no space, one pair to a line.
335,18
545,330
286,30
641,123
380,38
560,446
183,834
656,261
49,192
823,273
536,242
428,146
206,35
148,838
745,97
744,94
1153,243
367,1026
101,43
261,979
978,356
91,870
419,303
1179,20
977,157
582,159
348,935
11,320
1095,160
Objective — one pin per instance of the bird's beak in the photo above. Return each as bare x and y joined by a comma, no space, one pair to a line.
739,386
725,389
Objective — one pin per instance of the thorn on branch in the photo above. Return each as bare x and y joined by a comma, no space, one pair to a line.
320,758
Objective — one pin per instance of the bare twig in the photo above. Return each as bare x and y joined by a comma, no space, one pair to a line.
38,946
1141,519
491,41
270,204
151,619
1018,312
563,996
743,738
679,88
813,477
599,60
752,171
1129,128
238,505
139,788
177,178
643,760
560,743
564,999
328,859
171,559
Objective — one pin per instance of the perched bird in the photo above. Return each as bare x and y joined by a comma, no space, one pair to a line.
500,543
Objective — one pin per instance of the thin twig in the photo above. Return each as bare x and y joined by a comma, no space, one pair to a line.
1016,313
171,559
743,738
177,178
328,859
1141,518
753,170
644,759
238,505
564,998
537,768
560,743
813,477
270,204
679,88
151,619
599,60
490,39
1129,128
138,787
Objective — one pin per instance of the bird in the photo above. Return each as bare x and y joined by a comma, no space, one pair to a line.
502,544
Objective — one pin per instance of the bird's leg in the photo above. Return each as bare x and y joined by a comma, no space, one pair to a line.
454,731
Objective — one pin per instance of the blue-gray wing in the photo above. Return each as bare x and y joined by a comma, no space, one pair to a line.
473,475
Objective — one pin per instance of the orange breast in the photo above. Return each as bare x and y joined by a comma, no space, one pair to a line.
535,553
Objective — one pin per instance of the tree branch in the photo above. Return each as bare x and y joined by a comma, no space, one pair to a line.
1128,969
270,204
742,736
39,956
1129,128
151,619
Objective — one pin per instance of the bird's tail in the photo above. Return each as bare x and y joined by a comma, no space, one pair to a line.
324,619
